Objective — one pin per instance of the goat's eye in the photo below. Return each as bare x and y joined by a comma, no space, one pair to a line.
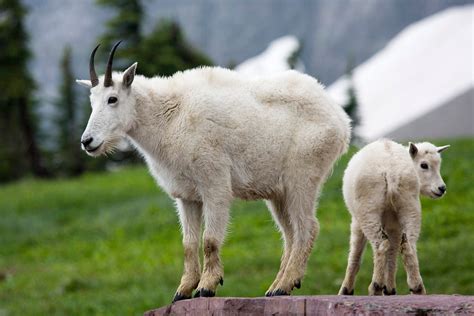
424,166
112,100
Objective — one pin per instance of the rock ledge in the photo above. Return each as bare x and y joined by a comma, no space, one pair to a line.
323,305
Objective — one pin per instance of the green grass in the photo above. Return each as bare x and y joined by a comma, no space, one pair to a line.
109,243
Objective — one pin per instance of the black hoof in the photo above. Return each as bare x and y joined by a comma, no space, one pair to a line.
378,288
280,292
298,284
205,293
345,291
221,281
417,290
387,292
180,297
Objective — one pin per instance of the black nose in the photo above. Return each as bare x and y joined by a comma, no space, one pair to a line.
87,141
442,189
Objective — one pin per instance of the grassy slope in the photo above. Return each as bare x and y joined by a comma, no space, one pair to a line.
110,243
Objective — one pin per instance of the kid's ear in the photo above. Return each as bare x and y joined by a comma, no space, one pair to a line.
129,75
412,149
84,83
442,148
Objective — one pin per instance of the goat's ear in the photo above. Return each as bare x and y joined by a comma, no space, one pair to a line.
84,83
442,148
412,149
129,75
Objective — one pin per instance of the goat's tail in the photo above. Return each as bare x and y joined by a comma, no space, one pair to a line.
392,182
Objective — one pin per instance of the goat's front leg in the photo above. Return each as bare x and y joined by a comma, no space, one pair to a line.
410,260
410,223
216,216
190,216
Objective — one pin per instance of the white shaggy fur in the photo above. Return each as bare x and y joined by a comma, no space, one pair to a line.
381,187
210,135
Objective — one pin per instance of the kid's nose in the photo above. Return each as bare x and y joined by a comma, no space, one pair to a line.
442,188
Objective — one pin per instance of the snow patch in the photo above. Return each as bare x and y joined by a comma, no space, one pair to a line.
425,65
274,59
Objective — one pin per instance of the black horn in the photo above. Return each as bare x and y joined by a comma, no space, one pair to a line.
108,72
93,75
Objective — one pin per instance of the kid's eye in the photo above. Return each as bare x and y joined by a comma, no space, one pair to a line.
424,166
112,100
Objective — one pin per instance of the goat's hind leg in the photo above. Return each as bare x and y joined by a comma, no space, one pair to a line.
190,215
371,224
278,211
305,227
394,238
357,245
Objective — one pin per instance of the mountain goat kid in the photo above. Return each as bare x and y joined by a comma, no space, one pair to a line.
210,135
381,187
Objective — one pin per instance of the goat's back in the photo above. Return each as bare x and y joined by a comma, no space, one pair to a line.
379,173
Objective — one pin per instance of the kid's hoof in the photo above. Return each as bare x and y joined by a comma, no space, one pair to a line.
280,292
298,284
179,297
205,293
387,292
419,290
375,289
221,281
345,291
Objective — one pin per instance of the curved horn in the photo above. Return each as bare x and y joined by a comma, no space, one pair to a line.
93,75
108,72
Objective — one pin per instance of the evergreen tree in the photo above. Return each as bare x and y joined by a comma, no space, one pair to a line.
231,64
352,105
19,152
69,157
295,57
125,26
166,51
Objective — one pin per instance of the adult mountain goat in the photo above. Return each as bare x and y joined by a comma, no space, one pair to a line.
210,135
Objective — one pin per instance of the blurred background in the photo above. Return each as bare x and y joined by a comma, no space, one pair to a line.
95,236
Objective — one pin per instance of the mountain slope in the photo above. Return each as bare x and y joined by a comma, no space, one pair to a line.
427,64
331,32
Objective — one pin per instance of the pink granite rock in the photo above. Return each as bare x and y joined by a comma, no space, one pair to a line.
323,305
